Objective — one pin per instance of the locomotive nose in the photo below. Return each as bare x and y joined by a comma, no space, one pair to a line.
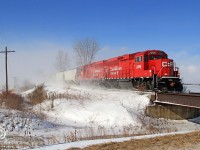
167,67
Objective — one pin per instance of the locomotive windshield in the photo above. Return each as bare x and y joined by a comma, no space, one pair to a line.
154,57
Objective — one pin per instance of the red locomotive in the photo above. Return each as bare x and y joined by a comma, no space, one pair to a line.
149,69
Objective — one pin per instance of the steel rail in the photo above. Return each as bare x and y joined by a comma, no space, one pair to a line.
190,100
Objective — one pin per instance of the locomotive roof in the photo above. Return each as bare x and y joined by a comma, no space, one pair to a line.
125,56
153,50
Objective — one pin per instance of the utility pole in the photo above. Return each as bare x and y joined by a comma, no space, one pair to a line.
6,65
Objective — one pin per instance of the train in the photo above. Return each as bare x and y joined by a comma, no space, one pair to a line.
149,70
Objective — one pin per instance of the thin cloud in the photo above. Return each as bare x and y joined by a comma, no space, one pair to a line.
189,65
105,48
32,61
124,48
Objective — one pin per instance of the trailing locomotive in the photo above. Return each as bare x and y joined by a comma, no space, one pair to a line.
149,69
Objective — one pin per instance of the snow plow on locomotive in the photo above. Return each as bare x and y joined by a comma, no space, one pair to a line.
148,69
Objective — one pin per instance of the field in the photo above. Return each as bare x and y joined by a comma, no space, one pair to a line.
61,117
189,141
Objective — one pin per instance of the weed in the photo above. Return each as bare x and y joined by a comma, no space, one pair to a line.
68,96
38,95
11,100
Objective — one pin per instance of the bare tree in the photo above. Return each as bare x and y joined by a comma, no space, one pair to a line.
62,61
85,51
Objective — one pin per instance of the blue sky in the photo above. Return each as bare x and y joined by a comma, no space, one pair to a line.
39,28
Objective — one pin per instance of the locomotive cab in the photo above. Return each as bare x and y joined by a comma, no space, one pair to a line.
165,70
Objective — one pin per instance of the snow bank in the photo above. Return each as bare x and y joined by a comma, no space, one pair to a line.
106,108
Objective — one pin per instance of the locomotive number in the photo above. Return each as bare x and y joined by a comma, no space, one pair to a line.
152,53
138,66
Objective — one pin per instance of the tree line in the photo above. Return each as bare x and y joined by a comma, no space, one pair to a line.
85,51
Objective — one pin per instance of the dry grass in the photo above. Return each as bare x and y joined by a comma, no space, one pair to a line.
66,95
81,97
154,125
11,100
19,142
38,95
171,142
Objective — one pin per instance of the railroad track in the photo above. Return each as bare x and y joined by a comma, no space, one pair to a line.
184,99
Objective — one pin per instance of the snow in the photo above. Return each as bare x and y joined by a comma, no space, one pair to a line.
82,144
192,88
105,107
86,112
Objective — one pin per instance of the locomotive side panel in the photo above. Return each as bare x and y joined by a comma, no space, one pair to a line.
92,71
119,67
124,62
111,68
97,70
